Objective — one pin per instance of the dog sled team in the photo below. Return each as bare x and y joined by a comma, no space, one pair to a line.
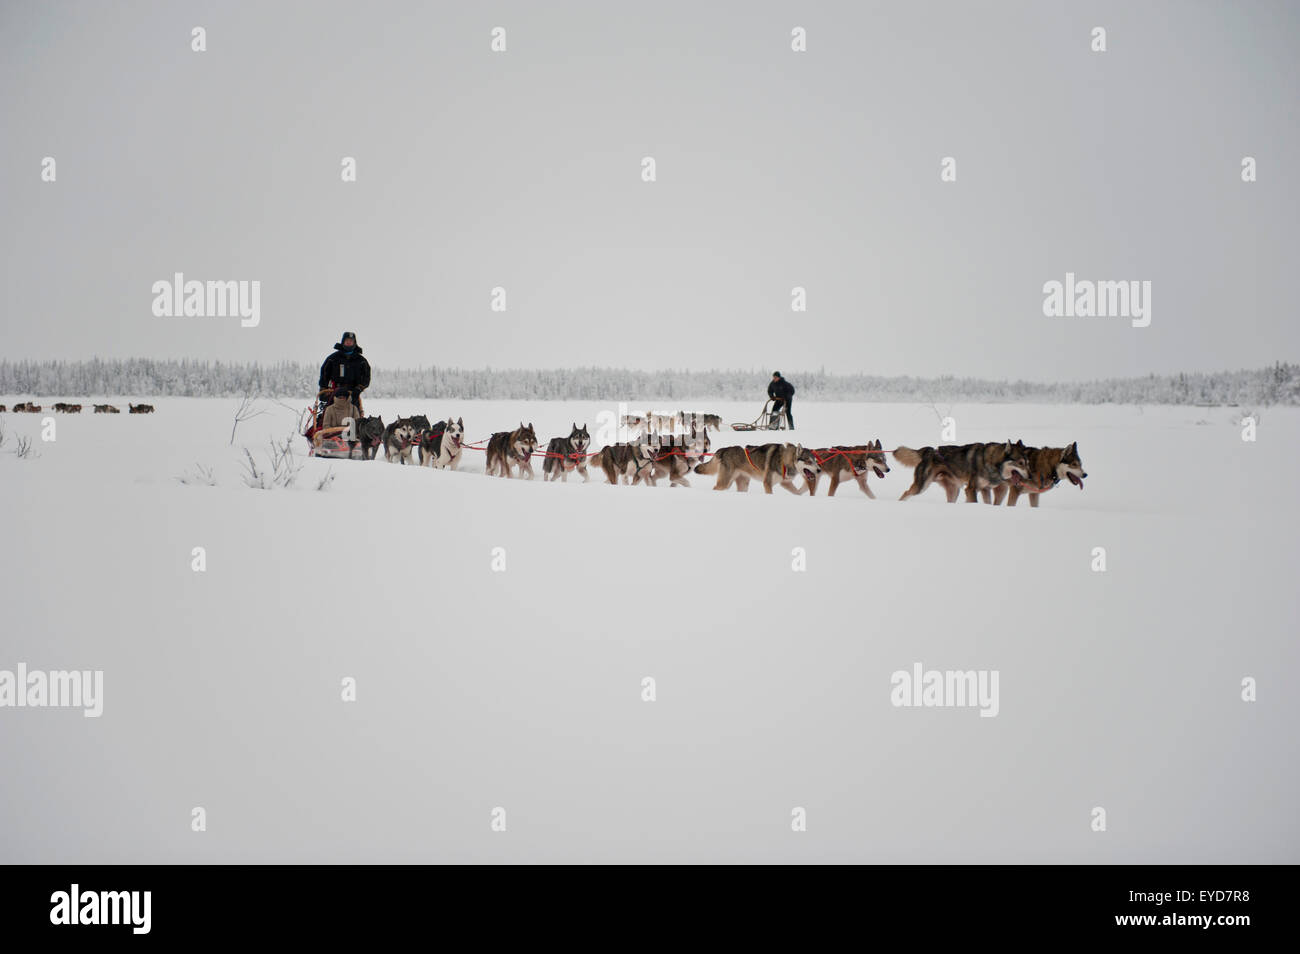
662,446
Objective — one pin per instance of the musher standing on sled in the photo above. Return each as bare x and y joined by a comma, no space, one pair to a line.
781,392
346,370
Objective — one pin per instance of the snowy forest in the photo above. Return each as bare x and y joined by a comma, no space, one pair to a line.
146,377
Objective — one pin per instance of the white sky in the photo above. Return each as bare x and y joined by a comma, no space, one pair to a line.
775,169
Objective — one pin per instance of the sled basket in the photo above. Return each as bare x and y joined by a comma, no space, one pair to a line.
332,442
767,420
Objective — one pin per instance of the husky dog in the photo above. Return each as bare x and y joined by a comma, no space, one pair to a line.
995,465
368,433
975,466
28,408
678,456
2,408
1048,466
770,463
507,449
340,411
61,408
564,454
444,445
139,408
397,440
74,409
428,439
713,421
627,463
106,409
857,462
452,446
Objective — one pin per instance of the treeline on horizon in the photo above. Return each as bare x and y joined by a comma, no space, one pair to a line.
149,377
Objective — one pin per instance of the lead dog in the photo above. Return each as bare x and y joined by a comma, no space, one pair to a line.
1048,466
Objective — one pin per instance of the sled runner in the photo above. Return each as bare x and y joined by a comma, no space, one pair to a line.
767,420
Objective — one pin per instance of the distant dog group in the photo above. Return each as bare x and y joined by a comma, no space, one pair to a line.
678,422
27,407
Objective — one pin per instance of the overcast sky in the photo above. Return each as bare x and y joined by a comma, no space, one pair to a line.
775,169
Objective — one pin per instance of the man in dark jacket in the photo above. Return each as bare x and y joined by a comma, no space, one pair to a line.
781,392
346,369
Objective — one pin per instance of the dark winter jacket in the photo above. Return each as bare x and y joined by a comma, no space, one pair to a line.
780,390
345,370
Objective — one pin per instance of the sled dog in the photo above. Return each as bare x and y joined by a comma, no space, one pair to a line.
678,456
509,449
368,433
566,454
1048,466
627,463
977,467
851,462
397,441
769,463
446,446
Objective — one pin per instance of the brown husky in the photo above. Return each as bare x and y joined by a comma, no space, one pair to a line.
628,463
978,467
770,463
676,456
1048,466
507,449
843,462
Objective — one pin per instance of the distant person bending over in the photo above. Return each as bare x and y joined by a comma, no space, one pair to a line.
346,369
781,392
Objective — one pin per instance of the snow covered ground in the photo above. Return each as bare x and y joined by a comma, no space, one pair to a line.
479,688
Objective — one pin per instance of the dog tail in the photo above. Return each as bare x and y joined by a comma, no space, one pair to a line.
907,456
708,467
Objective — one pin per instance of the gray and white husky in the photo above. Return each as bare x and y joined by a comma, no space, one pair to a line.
397,441
566,454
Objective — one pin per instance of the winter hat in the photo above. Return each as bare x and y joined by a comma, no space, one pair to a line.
346,335
776,374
